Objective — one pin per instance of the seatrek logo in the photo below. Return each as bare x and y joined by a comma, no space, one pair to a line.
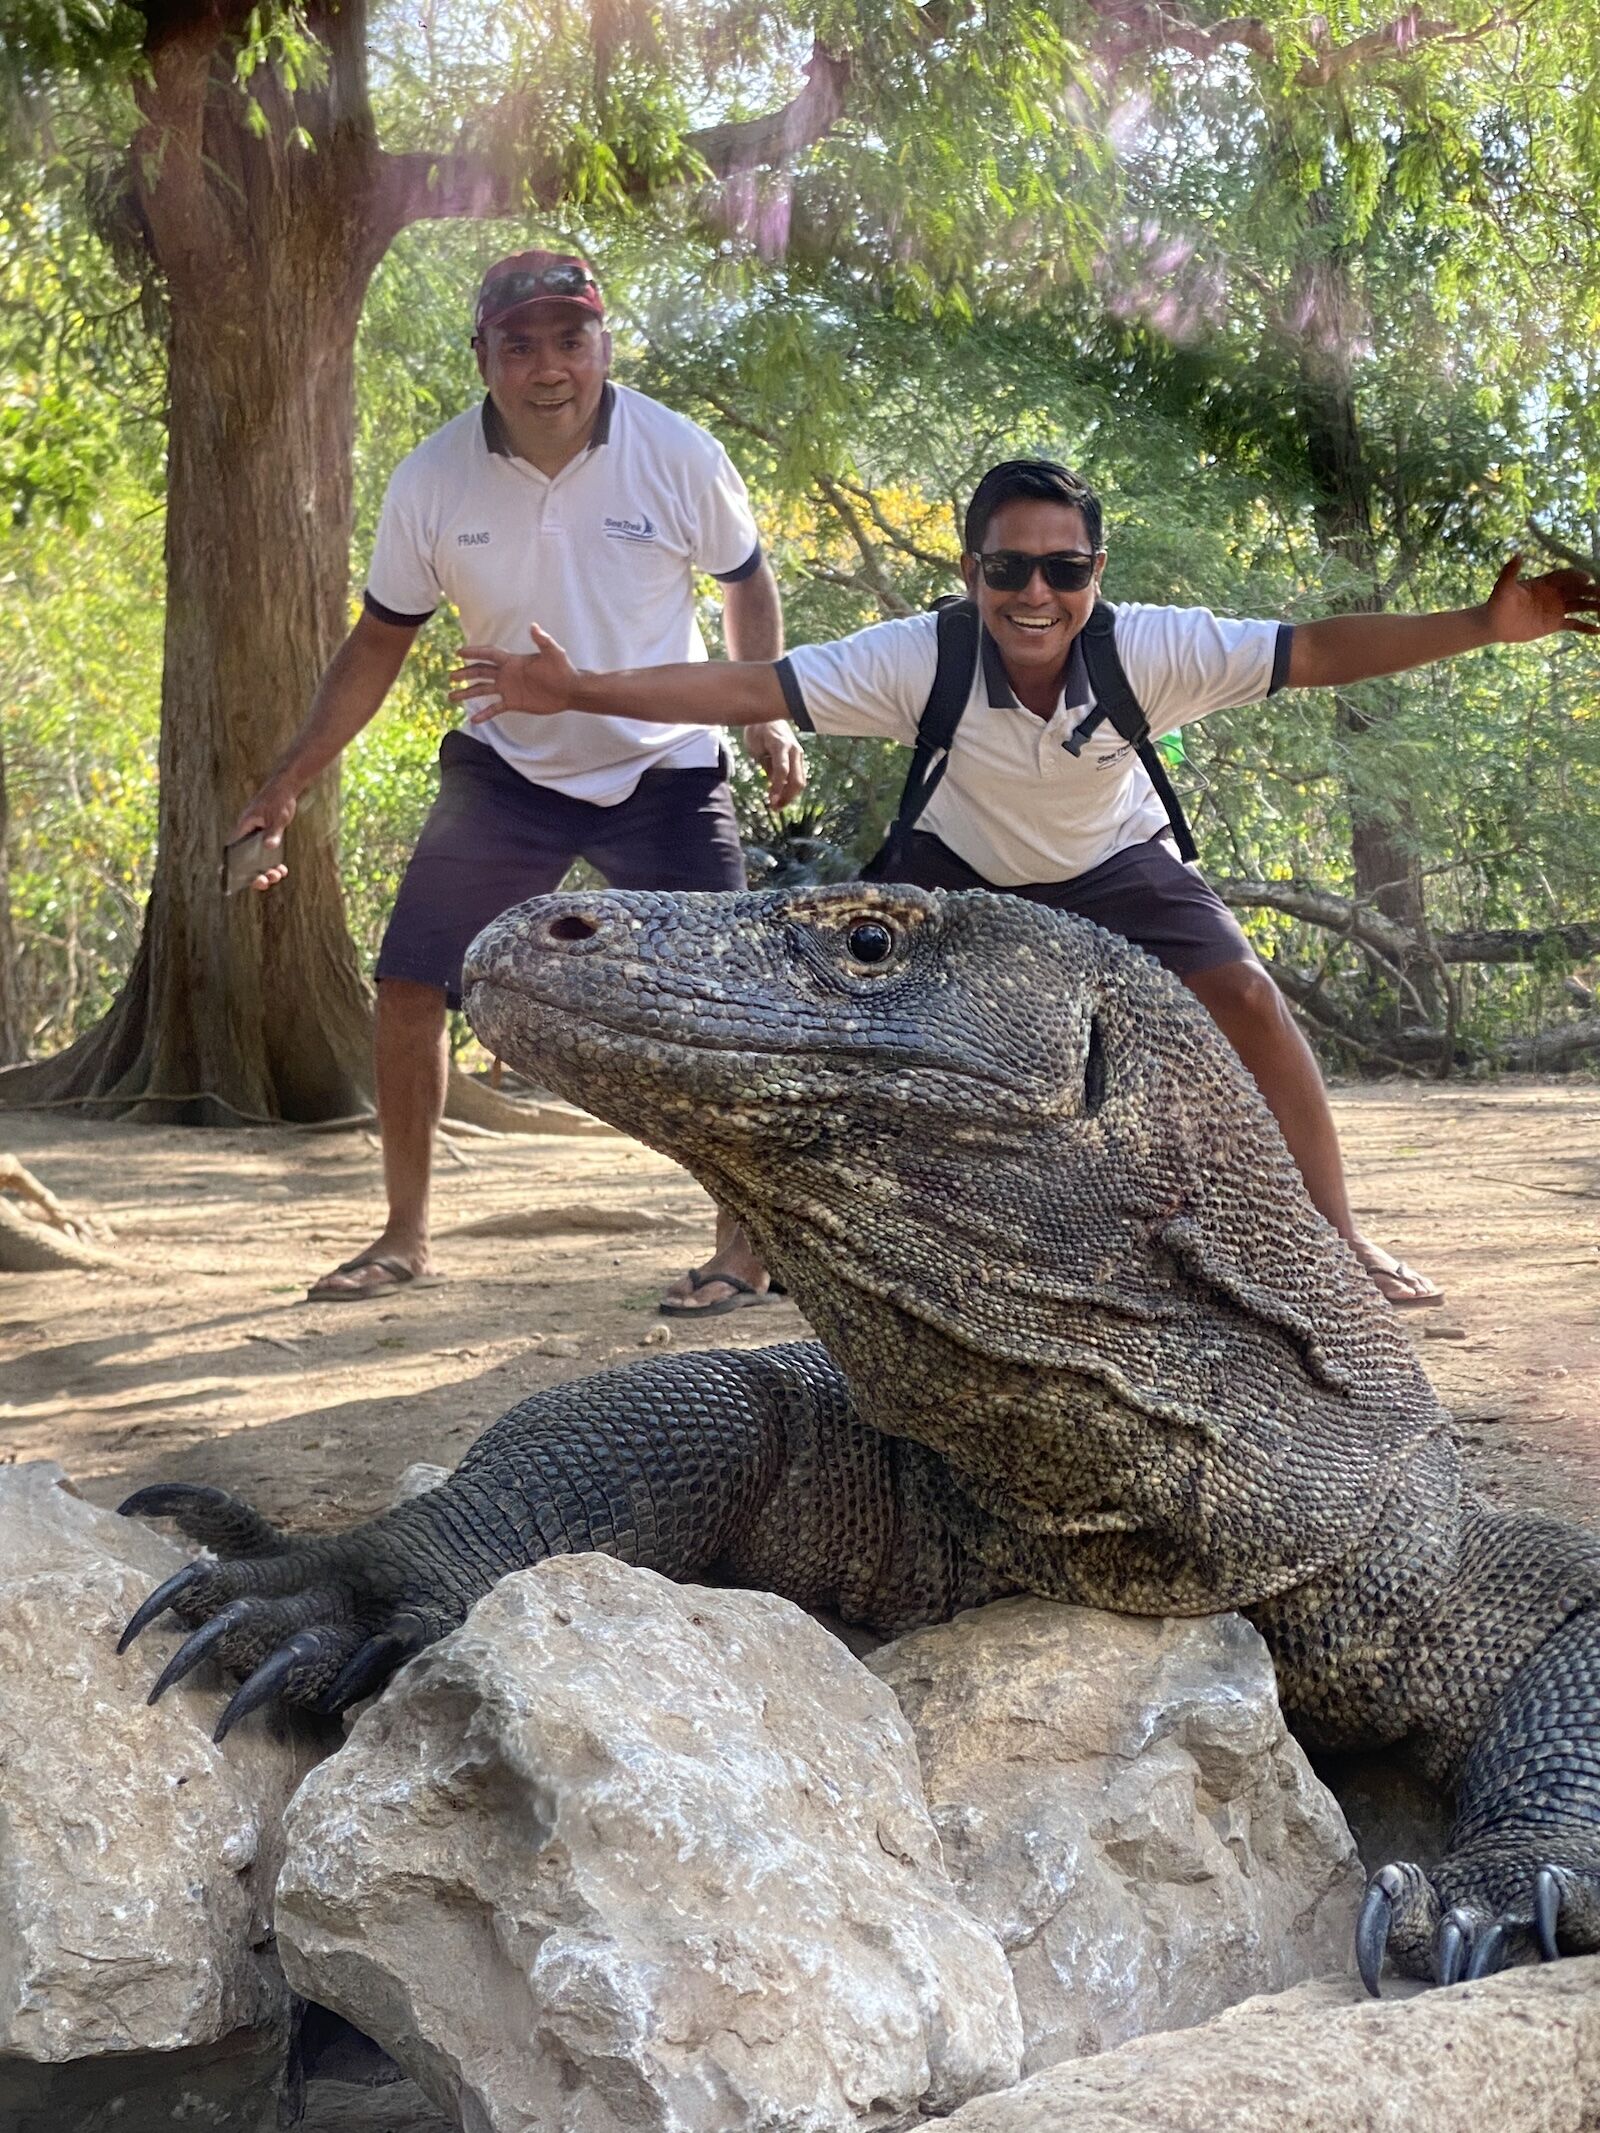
472,540
629,529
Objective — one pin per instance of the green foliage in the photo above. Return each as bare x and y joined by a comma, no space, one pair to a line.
80,674
1165,264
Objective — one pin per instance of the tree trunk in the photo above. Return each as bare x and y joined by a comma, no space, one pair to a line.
1383,842
13,1044
252,1007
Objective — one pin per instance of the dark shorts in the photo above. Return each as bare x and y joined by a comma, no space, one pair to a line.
492,838
1145,893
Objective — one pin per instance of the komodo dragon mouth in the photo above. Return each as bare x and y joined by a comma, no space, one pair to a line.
1081,1333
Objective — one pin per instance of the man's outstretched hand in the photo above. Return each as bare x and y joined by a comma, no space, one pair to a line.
774,748
1520,609
545,681
540,683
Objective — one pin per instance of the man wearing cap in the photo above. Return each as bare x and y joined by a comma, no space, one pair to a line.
561,495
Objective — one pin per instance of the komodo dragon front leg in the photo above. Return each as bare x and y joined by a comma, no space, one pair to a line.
745,1469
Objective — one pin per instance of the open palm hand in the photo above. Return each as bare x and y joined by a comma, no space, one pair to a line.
1521,609
539,683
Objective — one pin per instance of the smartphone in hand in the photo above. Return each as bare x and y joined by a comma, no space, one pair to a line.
244,860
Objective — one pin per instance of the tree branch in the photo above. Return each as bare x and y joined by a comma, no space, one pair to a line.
1549,1049
1506,945
761,144
889,598
929,557
1574,556
1316,906
1149,26
475,186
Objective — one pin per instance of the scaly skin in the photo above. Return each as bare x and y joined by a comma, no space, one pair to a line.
1082,1333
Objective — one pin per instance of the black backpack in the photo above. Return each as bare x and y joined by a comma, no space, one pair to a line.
1114,701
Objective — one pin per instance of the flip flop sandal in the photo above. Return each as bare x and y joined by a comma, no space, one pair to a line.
744,1295
400,1277
1426,1301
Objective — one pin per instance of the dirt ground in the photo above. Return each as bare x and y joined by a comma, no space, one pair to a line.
199,1360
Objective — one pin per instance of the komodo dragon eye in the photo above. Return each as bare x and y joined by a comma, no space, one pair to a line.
869,941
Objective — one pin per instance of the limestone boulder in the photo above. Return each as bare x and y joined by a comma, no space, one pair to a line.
1120,1801
1518,2053
139,1986
420,1478
623,1853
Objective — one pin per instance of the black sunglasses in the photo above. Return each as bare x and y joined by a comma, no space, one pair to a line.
1008,570
506,291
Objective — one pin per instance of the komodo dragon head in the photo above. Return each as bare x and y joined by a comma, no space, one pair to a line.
990,1150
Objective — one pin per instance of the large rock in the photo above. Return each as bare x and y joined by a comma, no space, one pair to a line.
1519,2053
139,1987
622,1853
1120,1801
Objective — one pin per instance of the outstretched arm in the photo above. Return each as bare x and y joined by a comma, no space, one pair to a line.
544,681
1349,648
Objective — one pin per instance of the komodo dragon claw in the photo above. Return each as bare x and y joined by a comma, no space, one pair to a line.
208,1515
1399,1896
165,1595
1566,1911
370,1667
302,1664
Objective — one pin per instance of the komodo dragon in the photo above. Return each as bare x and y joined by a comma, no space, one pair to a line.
1081,1333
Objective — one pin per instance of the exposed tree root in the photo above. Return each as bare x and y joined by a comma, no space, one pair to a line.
40,1236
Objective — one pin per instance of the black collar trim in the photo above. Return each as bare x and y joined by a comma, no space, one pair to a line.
1002,697
494,431
498,441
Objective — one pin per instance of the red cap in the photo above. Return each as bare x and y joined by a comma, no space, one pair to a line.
536,278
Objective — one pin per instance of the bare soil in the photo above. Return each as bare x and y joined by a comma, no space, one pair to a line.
198,1359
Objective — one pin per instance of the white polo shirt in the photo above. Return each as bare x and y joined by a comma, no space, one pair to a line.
1015,803
603,556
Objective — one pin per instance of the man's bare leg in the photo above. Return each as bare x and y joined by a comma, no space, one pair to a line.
411,1062
732,1272
1252,1014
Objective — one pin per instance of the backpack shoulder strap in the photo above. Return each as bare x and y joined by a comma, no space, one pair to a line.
1115,702
1113,692
941,714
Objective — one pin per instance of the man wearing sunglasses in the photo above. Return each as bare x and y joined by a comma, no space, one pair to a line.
560,495
1038,799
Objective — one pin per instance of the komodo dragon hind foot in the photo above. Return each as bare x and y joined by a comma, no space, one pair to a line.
1520,1876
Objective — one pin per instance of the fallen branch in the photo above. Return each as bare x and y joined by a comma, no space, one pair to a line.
1550,1050
1314,905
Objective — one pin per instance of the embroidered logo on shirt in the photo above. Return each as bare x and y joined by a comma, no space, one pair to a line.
629,529
472,540
1117,755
